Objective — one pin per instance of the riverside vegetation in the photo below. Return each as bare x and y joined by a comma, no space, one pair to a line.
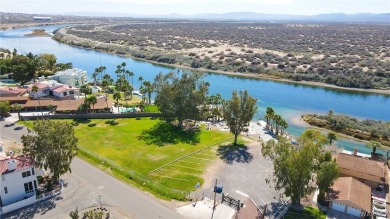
367,129
345,55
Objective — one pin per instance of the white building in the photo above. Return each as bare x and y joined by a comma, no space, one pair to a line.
18,180
52,88
72,77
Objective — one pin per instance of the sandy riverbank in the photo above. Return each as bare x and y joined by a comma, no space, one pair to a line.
245,75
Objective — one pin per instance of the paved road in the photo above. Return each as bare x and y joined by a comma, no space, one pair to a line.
94,182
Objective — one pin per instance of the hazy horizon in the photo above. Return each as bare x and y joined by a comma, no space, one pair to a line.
188,7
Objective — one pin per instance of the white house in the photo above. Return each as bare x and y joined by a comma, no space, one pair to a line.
73,77
65,91
52,88
18,180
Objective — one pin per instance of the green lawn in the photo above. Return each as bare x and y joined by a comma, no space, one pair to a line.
307,213
146,144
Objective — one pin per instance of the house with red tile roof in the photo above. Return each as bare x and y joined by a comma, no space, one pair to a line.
18,179
52,88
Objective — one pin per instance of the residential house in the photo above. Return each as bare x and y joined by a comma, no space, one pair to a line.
350,196
65,91
52,88
71,77
11,91
18,179
370,172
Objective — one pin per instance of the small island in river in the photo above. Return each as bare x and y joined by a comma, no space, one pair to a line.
38,32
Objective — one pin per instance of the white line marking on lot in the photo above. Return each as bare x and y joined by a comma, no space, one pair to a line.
261,199
242,194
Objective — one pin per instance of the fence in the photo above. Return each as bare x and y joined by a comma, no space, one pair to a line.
142,180
19,204
92,116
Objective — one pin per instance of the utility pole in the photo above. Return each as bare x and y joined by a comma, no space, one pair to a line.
215,192
100,203
265,211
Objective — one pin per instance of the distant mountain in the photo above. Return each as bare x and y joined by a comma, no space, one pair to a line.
252,16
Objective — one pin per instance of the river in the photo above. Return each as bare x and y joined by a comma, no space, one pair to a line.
289,100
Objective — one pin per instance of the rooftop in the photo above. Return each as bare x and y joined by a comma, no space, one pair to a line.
23,162
368,169
351,192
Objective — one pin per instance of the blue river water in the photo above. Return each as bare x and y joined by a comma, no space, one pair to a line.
288,99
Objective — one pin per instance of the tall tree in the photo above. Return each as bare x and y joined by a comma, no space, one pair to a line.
238,112
148,89
294,165
4,108
180,97
85,89
326,175
51,108
35,90
106,82
140,79
17,107
24,68
53,145
331,137
130,74
91,100
269,115
117,97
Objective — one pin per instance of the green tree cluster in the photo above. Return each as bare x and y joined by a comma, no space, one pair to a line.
275,120
294,165
180,98
30,66
4,108
52,144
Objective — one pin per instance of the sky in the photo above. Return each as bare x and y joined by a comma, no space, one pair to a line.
190,7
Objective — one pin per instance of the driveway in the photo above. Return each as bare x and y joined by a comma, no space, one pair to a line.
243,173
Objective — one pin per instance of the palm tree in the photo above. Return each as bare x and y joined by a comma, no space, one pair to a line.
51,108
35,89
117,97
130,74
106,82
102,72
331,137
96,74
149,90
269,114
278,120
140,79
283,125
17,107
86,90
91,99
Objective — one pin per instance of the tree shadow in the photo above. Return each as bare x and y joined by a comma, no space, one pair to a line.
76,122
165,133
31,211
238,153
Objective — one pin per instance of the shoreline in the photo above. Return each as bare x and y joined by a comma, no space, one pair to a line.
236,74
296,120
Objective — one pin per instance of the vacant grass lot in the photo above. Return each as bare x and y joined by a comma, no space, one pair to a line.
144,145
